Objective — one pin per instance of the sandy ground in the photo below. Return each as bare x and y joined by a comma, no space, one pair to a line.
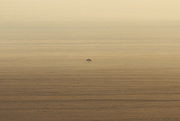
133,77
90,92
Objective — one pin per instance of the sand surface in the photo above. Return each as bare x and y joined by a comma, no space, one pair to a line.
133,78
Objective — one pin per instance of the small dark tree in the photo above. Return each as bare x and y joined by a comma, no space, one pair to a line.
88,60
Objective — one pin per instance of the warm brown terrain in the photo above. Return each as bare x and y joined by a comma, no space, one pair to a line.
128,80
90,95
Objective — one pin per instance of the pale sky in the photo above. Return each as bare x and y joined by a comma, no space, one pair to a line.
89,10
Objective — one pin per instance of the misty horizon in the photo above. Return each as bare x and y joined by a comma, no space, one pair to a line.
89,60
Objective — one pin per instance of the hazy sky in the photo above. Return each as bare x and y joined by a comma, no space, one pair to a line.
89,10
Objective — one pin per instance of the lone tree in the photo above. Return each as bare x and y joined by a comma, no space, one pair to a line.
88,60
